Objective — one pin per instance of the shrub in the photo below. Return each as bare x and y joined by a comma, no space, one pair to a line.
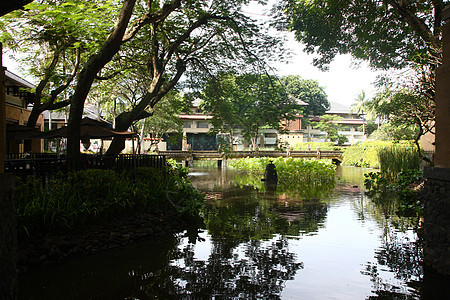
382,187
313,146
86,196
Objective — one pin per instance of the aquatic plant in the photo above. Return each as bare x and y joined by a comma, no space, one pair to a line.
366,154
402,189
290,170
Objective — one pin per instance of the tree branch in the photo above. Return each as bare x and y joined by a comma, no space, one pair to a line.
418,25
150,18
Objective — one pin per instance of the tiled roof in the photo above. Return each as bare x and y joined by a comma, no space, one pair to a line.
337,108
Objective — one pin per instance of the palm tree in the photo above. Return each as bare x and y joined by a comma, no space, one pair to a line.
360,107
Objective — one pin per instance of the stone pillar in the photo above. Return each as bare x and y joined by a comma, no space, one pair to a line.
8,238
436,248
436,192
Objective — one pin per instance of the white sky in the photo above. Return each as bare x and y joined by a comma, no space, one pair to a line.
344,80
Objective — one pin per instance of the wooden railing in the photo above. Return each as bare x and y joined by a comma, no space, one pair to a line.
48,165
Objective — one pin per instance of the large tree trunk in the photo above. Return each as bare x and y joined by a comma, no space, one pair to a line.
87,77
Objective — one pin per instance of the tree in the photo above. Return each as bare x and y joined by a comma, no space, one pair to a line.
169,38
387,33
405,108
329,124
53,41
248,102
308,91
360,107
198,40
165,118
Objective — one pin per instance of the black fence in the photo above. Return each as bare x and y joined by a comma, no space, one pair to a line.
45,166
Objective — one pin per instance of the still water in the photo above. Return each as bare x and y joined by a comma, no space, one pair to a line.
258,243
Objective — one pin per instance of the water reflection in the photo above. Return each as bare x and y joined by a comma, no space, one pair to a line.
258,243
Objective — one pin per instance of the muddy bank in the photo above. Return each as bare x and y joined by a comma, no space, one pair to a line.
50,248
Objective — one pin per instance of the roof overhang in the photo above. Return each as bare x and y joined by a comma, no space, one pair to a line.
7,6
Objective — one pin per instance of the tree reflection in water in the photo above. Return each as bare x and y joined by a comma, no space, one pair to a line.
250,255
400,254
257,272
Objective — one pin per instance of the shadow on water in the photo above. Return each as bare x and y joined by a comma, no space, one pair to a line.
259,242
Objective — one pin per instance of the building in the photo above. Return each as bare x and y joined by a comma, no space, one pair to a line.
197,126
17,113
351,124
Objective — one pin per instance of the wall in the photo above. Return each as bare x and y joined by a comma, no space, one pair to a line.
8,238
437,222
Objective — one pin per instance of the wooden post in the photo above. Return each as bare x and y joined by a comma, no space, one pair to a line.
442,155
2,114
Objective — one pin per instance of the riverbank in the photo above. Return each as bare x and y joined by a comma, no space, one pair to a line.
52,248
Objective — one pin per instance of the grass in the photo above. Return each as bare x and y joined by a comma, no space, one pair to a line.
395,159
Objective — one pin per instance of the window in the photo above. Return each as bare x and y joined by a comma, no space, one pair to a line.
202,124
187,124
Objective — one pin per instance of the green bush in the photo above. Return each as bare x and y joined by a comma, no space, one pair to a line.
86,196
382,187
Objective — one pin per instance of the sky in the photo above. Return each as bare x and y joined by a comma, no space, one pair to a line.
344,80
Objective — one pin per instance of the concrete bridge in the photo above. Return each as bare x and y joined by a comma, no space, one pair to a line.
189,156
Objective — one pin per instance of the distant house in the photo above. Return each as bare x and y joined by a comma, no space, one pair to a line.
17,100
350,125
196,126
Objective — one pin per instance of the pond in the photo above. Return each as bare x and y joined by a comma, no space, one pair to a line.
258,243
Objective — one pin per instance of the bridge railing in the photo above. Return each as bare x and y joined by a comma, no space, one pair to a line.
178,154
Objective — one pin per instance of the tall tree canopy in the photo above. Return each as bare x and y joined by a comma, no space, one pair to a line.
167,39
53,40
308,91
248,103
387,33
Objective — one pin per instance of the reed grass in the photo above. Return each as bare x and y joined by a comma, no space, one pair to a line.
396,159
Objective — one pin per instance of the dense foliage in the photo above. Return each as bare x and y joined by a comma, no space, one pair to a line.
313,146
247,103
399,178
388,33
308,91
403,188
396,159
84,197
163,39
